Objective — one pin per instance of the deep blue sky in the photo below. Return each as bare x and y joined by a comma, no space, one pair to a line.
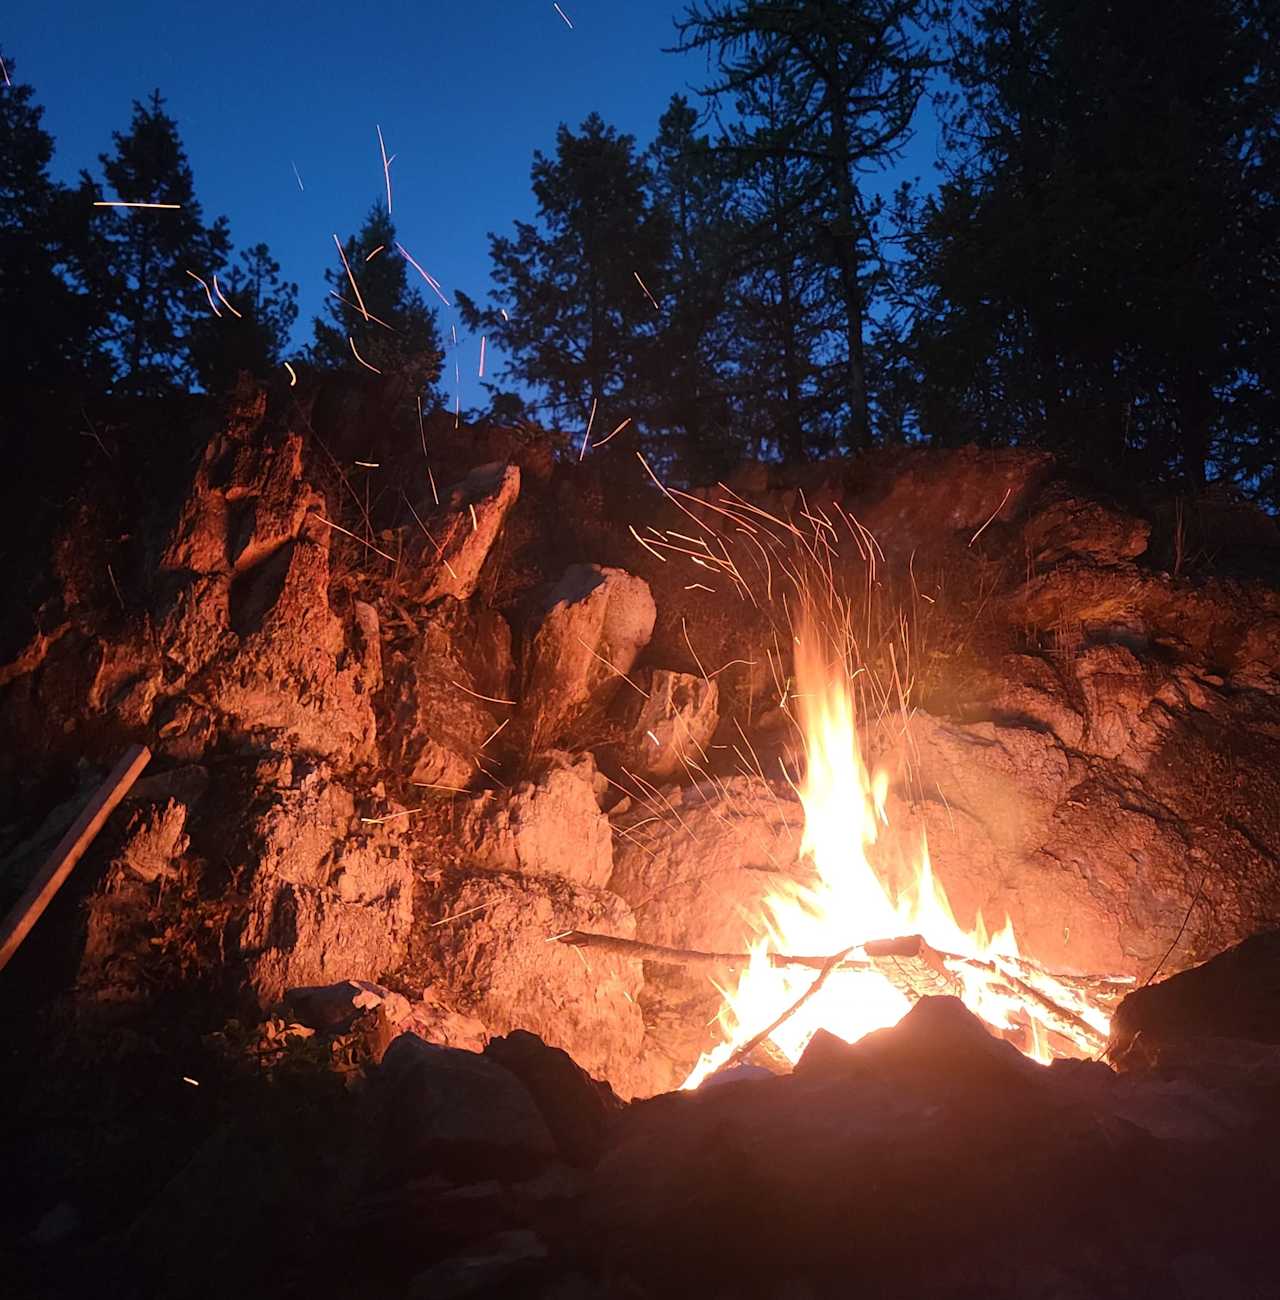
464,93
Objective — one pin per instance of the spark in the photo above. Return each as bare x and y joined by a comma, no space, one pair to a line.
647,294
613,669
563,15
586,437
120,203
475,525
377,320
296,176
338,528
700,586
481,375
222,298
479,907
375,252
444,559
503,310
495,731
614,434
115,586
293,374
453,333
430,279
359,358
212,305
351,277
1008,492
386,166
490,699
186,1078
422,433
435,785
404,812
5,70
654,738
647,547
367,464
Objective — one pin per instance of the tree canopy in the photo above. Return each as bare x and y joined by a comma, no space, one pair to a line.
375,319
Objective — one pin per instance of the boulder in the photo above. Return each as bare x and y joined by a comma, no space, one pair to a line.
455,1113
938,1043
1233,995
594,624
577,1108
551,824
156,837
696,865
482,940
331,898
671,726
292,678
916,495
1063,525
457,537
449,694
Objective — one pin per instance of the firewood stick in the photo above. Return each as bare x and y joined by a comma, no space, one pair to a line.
910,964
50,878
741,1053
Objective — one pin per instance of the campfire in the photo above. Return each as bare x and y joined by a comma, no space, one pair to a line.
849,911
848,951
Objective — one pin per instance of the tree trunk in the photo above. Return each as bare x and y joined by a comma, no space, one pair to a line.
845,247
792,436
1195,415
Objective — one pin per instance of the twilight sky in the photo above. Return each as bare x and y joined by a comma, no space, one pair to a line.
464,92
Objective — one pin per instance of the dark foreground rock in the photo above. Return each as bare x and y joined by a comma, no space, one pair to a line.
930,1159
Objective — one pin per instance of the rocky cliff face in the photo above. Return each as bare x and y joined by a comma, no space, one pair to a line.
410,746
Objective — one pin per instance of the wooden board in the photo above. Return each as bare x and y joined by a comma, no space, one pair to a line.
51,877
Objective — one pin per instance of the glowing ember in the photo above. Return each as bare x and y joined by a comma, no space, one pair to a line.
848,904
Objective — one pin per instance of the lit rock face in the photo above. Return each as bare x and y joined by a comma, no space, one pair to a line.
446,692
460,534
481,939
331,897
550,825
672,726
696,867
595,623
1117,807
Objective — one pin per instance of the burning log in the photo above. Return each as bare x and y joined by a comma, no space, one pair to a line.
910,964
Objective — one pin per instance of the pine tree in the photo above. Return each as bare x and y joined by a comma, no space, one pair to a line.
380,322
154,254
687,369
251,328
1099,272
570,309
848,75
788,337
50,319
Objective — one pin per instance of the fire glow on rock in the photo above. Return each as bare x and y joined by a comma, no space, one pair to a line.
848,904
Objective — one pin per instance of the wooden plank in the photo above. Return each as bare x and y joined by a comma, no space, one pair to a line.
51,877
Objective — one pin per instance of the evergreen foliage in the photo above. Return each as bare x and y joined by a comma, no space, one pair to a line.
383,317
570,309
51,311
151,256
249,332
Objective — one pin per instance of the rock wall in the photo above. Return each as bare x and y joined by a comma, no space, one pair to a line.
411,745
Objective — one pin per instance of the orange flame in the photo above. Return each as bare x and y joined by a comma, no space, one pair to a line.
847,903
